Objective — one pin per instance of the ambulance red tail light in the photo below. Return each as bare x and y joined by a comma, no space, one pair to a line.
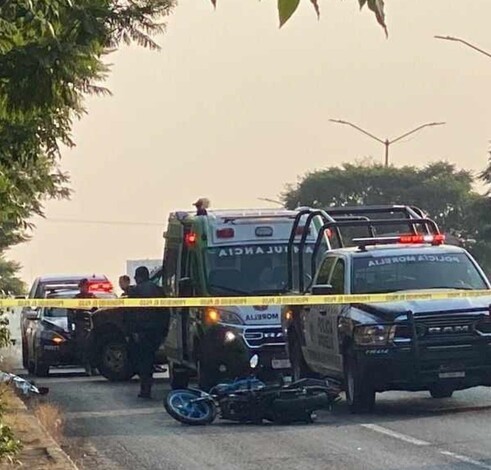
190,238
100,286
225,233
437,239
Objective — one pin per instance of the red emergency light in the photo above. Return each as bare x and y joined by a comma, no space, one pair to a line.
225,233
100,286
437,239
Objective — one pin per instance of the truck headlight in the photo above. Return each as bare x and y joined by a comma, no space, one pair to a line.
374,335
215,315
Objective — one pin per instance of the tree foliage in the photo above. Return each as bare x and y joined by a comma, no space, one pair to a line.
286,9
444,192
51,56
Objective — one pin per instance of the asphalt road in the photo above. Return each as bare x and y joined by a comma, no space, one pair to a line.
113,429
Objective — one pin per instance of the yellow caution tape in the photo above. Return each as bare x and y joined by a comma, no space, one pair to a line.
244,301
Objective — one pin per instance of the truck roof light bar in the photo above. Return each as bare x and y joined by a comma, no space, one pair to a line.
437,239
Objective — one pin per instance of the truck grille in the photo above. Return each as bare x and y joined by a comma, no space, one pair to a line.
436,327
259,337
445,326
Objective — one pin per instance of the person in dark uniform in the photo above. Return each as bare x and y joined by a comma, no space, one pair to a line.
80,326
149,328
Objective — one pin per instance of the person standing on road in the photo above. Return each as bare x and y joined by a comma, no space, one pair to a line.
149,328
80,324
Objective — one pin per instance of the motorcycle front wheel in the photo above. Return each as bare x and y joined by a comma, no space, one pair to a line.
184,407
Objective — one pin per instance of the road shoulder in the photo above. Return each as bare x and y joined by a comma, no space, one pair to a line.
39,450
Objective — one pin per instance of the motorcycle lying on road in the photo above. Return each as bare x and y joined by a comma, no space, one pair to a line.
249,400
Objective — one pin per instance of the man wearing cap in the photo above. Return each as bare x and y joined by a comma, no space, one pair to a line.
202,205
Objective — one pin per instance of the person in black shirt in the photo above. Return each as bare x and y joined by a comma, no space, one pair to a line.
149,326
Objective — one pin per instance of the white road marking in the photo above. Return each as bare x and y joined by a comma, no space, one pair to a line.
395,434
465,459
418,442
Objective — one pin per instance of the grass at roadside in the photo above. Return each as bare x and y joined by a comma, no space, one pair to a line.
10,446
51,417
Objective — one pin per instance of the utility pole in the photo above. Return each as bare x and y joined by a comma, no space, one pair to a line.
387,143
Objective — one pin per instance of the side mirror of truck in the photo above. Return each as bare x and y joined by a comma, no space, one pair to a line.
185,287
322,289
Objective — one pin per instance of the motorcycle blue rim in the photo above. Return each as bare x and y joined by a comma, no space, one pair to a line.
185,405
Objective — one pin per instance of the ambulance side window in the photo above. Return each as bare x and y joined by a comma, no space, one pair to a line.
171,263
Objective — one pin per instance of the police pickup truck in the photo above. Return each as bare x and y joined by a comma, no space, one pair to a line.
435,345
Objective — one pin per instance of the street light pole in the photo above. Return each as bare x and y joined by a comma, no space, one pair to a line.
387,143
270,200
468,44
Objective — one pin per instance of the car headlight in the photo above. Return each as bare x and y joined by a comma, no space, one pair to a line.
374,335
214,315
52,337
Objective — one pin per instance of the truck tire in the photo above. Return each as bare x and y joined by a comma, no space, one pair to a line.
360,393
114,362
441,391
300,369
178,377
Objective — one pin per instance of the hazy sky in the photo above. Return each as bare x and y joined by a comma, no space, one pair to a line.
233,109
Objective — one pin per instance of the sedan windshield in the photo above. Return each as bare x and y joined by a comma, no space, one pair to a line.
55,312
378,274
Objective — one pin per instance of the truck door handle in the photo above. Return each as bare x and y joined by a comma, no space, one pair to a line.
323,312
307,309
